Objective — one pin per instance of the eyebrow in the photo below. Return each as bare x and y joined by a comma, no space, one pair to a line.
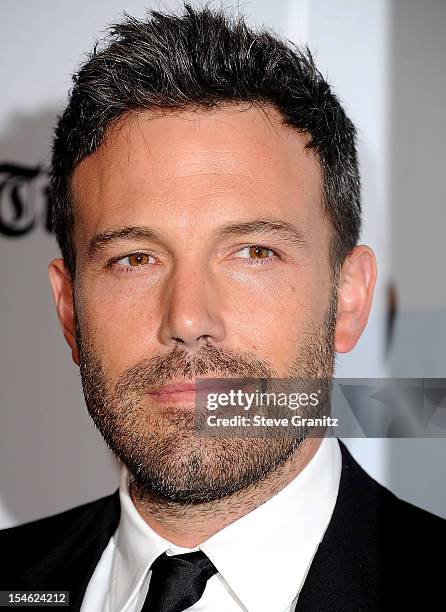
103,240
285,230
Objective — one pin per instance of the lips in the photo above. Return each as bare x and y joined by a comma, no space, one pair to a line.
191,387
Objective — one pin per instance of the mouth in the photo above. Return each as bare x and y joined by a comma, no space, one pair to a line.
188,392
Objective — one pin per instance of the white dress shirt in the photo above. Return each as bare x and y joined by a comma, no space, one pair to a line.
262,558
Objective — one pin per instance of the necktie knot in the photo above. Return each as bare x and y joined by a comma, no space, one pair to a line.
177,581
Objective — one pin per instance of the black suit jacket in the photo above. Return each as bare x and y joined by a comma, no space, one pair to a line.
378,552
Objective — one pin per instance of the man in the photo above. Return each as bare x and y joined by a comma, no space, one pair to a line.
206,202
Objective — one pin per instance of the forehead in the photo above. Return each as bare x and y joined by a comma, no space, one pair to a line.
197,164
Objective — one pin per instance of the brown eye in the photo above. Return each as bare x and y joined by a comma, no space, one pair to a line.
138,259
258,252
256,255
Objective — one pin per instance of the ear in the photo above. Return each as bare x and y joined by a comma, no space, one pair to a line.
62,289
355,292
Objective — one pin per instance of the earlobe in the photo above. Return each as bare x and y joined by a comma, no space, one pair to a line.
355,293
62,290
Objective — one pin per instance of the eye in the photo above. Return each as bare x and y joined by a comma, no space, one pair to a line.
132,262
256,254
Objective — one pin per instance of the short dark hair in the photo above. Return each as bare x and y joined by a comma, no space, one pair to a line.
202,59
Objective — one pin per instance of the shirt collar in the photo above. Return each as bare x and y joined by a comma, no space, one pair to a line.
138,545
264,556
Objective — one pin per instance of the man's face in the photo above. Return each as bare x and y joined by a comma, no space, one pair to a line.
226,273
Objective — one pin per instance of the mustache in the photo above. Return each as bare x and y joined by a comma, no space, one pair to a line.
160,369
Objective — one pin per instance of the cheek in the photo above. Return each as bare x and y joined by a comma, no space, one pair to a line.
120,323
270,321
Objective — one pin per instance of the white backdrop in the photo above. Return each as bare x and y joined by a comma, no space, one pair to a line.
383,58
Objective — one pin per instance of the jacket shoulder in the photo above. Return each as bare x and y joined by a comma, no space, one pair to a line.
53,523
379,552
384,507
27,543
394,542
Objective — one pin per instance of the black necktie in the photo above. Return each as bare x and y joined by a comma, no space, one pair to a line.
177,581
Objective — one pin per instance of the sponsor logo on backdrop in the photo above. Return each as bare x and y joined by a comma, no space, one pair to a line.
24,201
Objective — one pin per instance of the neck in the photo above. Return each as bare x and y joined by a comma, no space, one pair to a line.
189,526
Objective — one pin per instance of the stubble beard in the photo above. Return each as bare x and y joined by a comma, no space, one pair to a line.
167,461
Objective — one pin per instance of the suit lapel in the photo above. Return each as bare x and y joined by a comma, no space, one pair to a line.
344,573
70,562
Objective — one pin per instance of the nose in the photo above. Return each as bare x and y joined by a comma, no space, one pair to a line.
191,309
